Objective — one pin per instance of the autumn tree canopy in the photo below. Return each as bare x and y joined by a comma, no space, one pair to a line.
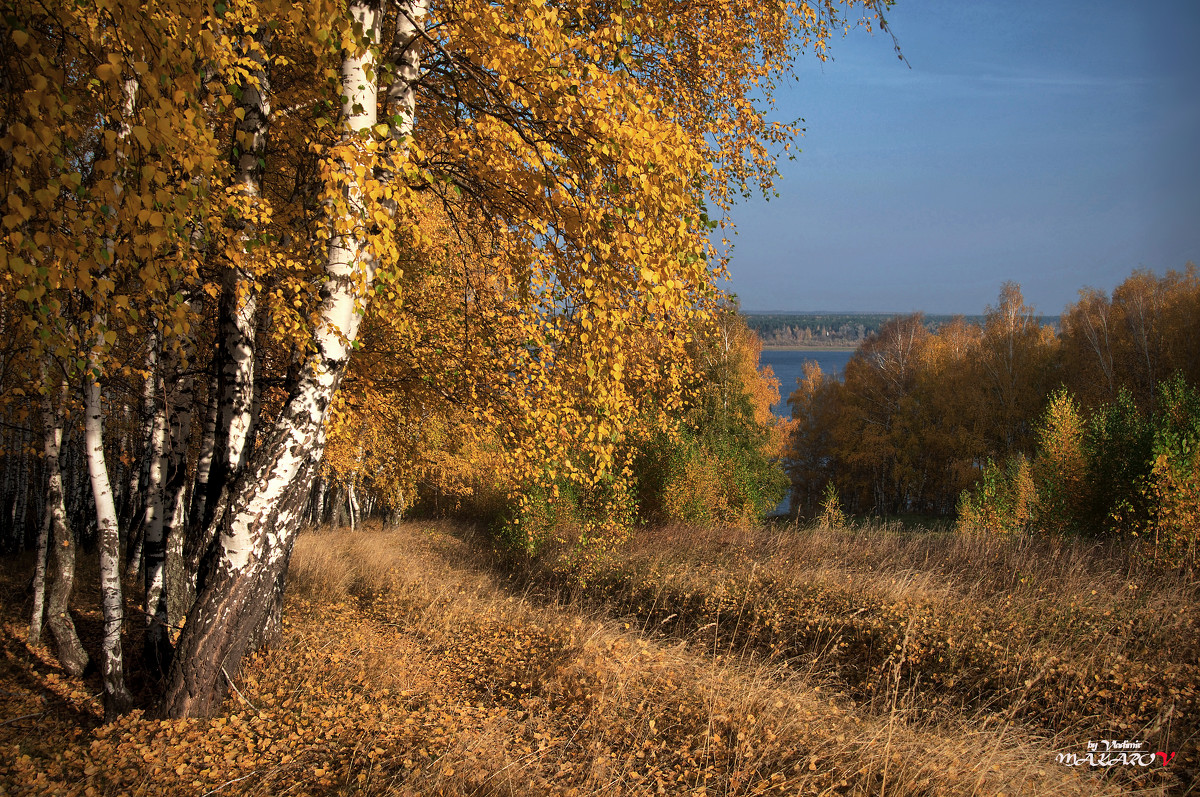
1016,425
210,207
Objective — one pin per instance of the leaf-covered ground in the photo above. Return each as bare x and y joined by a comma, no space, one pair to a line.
414,662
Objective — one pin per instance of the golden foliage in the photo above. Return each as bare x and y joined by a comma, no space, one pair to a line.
720,465
1005,500
535,250
1061,468
831,515
1141,335
919,412
1174,494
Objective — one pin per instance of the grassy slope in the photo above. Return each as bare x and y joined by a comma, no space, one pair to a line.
695,661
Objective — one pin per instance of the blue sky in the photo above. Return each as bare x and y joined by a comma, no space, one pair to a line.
1053,143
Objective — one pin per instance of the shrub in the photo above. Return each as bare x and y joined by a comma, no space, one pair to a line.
698,480
1119,449
1003,502
1060,469
831,515
721,464
693,491
1173,488
1117,473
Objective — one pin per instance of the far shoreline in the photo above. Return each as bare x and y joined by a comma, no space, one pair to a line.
809,348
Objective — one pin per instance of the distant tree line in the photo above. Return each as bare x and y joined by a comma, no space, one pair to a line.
923,416
836,330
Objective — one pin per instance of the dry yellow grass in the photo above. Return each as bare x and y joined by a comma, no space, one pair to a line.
415,661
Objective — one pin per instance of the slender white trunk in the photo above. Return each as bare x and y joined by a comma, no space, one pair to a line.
318,514
235,416
174,512
237,403
156,452
154,544
1098,338
117,698
237,400
239,300
175,502
243,576
71,654
52,439
39,579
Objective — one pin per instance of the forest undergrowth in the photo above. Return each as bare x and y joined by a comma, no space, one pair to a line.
416,660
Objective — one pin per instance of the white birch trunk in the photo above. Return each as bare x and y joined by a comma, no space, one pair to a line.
39,579
239,301
71,654
236,399
117,699
243,575
156,452
318,514
238,311
154,544
52,439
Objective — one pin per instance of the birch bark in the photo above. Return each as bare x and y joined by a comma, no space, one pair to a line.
39,579
164,503
71,654
52,439
239,307
153,540
117,699
238,311
175,488
244,570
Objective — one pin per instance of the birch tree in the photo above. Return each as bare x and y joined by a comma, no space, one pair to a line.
537,175
61,541
258,529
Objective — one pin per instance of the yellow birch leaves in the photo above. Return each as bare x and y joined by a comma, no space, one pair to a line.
541,238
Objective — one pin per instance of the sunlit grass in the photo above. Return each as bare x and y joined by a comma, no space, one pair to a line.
417,660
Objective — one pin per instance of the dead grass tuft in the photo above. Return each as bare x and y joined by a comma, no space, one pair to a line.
416,661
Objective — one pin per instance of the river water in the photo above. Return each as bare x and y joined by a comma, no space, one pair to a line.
788,365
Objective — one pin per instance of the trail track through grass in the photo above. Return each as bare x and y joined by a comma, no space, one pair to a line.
754,661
